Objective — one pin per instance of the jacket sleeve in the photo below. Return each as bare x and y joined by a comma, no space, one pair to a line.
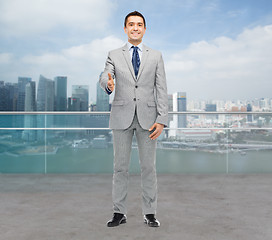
161,93
109,68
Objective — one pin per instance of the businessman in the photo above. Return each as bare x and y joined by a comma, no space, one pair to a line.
140,106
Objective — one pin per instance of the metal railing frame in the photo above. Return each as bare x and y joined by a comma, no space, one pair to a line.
107,113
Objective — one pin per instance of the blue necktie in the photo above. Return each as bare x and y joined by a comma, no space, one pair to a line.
135,60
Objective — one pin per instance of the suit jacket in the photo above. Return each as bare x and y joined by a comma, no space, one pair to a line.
146,94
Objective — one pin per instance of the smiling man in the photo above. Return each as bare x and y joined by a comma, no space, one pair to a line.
140,106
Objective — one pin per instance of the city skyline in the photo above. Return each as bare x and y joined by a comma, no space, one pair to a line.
212,49
51,95
93,98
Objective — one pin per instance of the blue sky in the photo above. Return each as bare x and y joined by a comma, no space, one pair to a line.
213,49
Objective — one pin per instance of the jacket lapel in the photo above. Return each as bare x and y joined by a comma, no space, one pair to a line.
144,57
128,60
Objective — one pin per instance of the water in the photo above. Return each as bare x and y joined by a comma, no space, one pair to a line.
89,160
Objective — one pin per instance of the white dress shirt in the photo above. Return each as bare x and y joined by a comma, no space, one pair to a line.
140,50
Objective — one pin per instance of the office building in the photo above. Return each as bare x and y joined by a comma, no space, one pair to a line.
60,100
73,104
3,97
178,120
46,94
30,97
60,93
210,108
30,106
249,116
12,100
45,102
22,82
102,99
180,105
81,92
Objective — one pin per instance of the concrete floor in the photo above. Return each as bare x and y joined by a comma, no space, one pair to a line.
190,207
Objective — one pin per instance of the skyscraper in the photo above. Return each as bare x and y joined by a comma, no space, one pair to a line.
210,107
30,106
73,104
182,107
46,94
60,93
249,116
81,92
12,96
22,82
45,102
30,97
3,96
102,99
179,105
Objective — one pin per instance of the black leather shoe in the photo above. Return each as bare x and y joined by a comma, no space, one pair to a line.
151,221
118,218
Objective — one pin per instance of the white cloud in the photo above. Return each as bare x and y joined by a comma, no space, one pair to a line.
222,68
5,58
81,64
24,17
225,68
87,56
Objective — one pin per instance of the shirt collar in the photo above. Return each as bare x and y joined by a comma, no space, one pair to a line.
140,46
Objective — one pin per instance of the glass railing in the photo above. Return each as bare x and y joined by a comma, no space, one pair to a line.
81,142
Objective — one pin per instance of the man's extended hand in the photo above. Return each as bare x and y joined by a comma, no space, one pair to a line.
158,130
110,83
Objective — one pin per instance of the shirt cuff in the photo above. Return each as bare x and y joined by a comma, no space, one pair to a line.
108,90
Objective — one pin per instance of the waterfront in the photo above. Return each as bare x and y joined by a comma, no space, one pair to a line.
92,160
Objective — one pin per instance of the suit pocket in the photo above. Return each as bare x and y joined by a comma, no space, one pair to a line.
118,103
151,104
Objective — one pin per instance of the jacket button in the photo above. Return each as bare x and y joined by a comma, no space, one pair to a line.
134,99
136,86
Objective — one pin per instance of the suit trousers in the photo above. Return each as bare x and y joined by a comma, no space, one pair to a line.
122,143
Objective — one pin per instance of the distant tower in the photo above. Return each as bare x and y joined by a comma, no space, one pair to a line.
3,97
22,82
12,96
30,97
45,102
45,95
30,106
179,120
210,108
249,116
102,99
180,106
81,92
60,93
73,104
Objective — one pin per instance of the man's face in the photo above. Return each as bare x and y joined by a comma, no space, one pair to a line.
135,29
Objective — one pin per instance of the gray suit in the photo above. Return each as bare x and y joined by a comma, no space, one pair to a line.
138,103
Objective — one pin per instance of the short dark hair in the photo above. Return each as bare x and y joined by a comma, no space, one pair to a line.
135,13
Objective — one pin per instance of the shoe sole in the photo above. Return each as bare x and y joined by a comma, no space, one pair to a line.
145,221
121,222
